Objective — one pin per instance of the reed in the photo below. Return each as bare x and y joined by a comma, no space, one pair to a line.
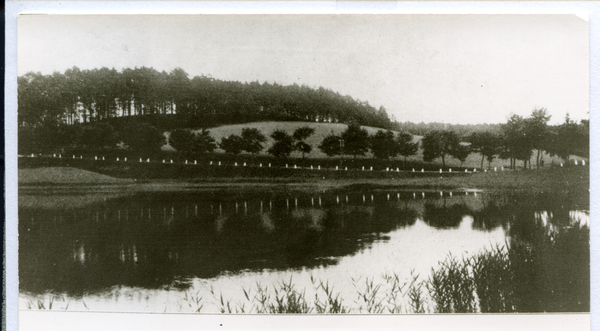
451,287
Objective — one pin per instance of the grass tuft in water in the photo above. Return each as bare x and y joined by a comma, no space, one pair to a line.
451,287
416,295
194,301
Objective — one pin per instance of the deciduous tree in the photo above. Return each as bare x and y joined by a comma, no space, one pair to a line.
383,145
518,145
233,144
331,145
487,143
355,140
536,126
300,135
142,137
405,145
284,144
439,144
203,142
182,140
461,152
253,140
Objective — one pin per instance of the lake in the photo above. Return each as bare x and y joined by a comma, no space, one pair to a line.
222,250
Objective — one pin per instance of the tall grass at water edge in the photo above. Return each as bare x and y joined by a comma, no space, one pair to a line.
548,274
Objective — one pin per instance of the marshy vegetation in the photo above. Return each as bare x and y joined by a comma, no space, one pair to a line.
501,279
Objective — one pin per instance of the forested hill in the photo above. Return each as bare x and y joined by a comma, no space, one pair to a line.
81,96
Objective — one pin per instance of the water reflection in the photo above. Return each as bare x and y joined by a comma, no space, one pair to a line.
162,240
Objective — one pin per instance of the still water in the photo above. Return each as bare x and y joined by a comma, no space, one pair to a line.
198,251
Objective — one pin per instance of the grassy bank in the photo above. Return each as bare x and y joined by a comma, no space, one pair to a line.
66,175
562,179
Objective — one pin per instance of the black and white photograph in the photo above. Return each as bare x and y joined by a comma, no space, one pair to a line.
352,164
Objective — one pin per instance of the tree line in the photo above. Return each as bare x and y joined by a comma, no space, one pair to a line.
354,141
463,130
518,140
83,96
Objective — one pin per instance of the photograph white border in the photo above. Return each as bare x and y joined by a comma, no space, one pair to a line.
589,10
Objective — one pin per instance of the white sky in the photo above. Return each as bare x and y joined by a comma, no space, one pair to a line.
442,68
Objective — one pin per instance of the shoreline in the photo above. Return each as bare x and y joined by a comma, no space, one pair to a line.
563,179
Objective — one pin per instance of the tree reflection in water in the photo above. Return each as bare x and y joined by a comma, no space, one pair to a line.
159,240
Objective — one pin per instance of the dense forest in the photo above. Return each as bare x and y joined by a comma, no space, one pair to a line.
82,96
